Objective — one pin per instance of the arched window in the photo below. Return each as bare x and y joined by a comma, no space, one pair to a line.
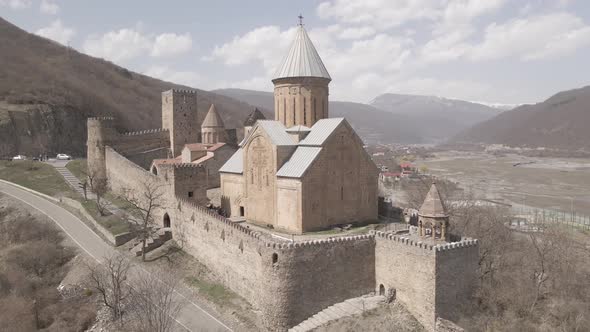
166,220
314,110
275,258
294,121
381,290
304,111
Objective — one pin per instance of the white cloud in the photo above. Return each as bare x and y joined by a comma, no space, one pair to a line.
15,4
266,44
385,14
356,33
58,32
170,44
48,7
533,38
126,44
117,46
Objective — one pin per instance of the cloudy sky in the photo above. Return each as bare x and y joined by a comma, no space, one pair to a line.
501,51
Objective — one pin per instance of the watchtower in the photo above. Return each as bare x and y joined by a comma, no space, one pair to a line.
433,220
180,117
101,132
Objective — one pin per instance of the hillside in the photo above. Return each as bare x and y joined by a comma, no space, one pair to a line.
47,91
440,117
559,122
372,124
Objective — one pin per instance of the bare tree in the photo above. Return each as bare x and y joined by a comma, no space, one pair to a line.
142,204
153,302
108,280
98,185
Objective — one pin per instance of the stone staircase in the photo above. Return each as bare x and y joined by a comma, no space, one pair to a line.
350,307
72,180
160,237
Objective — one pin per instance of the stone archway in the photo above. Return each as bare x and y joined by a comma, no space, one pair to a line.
166,220
381,290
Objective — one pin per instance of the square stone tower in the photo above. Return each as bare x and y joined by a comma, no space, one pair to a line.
180,117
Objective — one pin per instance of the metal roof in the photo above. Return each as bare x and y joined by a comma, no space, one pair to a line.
299,162
235,164
253,117
302,60
320,131
277,132
212,119
297,128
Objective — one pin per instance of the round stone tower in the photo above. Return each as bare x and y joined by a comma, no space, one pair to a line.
101,132
301,85
213,129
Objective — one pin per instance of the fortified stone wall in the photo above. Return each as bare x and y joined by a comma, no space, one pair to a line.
456,276
427,278
123,174
287,282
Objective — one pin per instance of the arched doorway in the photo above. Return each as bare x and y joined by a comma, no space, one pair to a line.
166,220
381,290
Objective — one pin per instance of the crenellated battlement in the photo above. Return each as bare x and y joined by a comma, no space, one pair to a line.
144,132
407,240
183,91
102,118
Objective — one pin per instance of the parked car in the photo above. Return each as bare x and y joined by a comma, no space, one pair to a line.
19,157
63,156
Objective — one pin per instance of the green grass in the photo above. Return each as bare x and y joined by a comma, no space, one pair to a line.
214,292
78,168
35,175
113,223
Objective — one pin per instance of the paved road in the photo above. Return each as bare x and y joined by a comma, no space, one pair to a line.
192,316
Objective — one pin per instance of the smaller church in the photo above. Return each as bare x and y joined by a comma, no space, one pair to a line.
213,151
303,171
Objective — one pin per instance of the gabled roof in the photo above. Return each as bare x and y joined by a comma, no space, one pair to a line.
212,119
298,128
299,162
320,131
276,131
302,60
253,117
235,164
433,206
202,146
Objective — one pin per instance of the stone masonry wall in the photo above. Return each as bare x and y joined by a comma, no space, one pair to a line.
287,282
456,278
432,281
410,270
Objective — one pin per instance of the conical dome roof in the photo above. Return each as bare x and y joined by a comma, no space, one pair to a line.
253,117
302,60
433,206
212,119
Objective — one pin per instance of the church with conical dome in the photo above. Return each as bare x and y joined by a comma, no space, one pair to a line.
302,171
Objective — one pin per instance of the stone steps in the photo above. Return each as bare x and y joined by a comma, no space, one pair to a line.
350,307
161,236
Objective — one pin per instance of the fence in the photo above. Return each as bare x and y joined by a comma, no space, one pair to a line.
531,219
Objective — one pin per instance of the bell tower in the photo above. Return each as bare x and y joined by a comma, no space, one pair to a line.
301,84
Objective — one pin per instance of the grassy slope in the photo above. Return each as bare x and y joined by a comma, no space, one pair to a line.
37,176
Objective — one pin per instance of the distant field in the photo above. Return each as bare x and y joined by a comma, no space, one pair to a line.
551,183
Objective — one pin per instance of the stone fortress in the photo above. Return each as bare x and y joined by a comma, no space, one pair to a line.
298,173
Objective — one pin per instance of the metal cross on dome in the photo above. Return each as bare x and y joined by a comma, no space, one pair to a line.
300,19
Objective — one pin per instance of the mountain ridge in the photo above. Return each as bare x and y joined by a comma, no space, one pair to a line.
558,122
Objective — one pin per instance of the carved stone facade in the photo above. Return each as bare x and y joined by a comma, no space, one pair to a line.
301,100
